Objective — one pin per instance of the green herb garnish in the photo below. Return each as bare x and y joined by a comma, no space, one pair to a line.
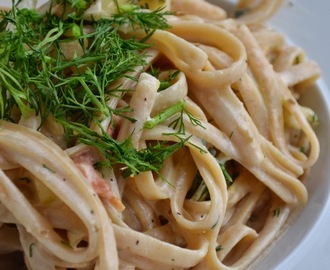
218,248
50,65
276,212
131,161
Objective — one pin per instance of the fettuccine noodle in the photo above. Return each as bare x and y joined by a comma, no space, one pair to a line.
219,201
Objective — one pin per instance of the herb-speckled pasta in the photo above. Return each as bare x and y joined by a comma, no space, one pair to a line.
149,134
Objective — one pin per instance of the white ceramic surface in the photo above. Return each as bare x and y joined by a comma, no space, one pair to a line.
306,245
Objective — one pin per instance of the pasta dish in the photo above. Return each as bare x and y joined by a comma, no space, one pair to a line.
145,134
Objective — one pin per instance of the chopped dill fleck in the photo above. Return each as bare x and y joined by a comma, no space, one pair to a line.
276,212
218,248
25,179
31,249
241,12
49,169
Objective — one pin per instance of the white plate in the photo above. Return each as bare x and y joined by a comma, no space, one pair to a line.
306,245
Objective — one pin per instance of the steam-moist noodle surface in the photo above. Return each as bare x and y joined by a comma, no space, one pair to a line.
217,202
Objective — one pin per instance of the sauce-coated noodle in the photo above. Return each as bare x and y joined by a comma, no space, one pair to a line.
238,143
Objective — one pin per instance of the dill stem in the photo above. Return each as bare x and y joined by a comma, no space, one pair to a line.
165,114
228,178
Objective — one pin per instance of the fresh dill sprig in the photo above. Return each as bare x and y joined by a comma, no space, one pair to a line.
38,74
199,191
131,161
134,16
164,83
35,52
226,174
10,80
167,83
177,123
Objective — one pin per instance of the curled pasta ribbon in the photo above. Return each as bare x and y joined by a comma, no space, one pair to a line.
256,158
152,189
145,93
177,45
212,176
197,32
241,99
287,57
183,54
200,8
178,90
49,164
254,103
149,188
294,68
300,73
142,102
211,87
250,12
270,84
159,253
233,235
216,186
238,237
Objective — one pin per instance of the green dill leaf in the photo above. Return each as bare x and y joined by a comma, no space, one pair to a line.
137,18
219,248
80,4
296,60
167,83
228,178
177,123
194,120
315,119
31,249
36,74
302,150
9,80
198,190
48,168
241,12
49,89
131,161
276,212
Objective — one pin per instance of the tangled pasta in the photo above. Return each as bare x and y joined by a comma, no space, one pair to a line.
215,99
